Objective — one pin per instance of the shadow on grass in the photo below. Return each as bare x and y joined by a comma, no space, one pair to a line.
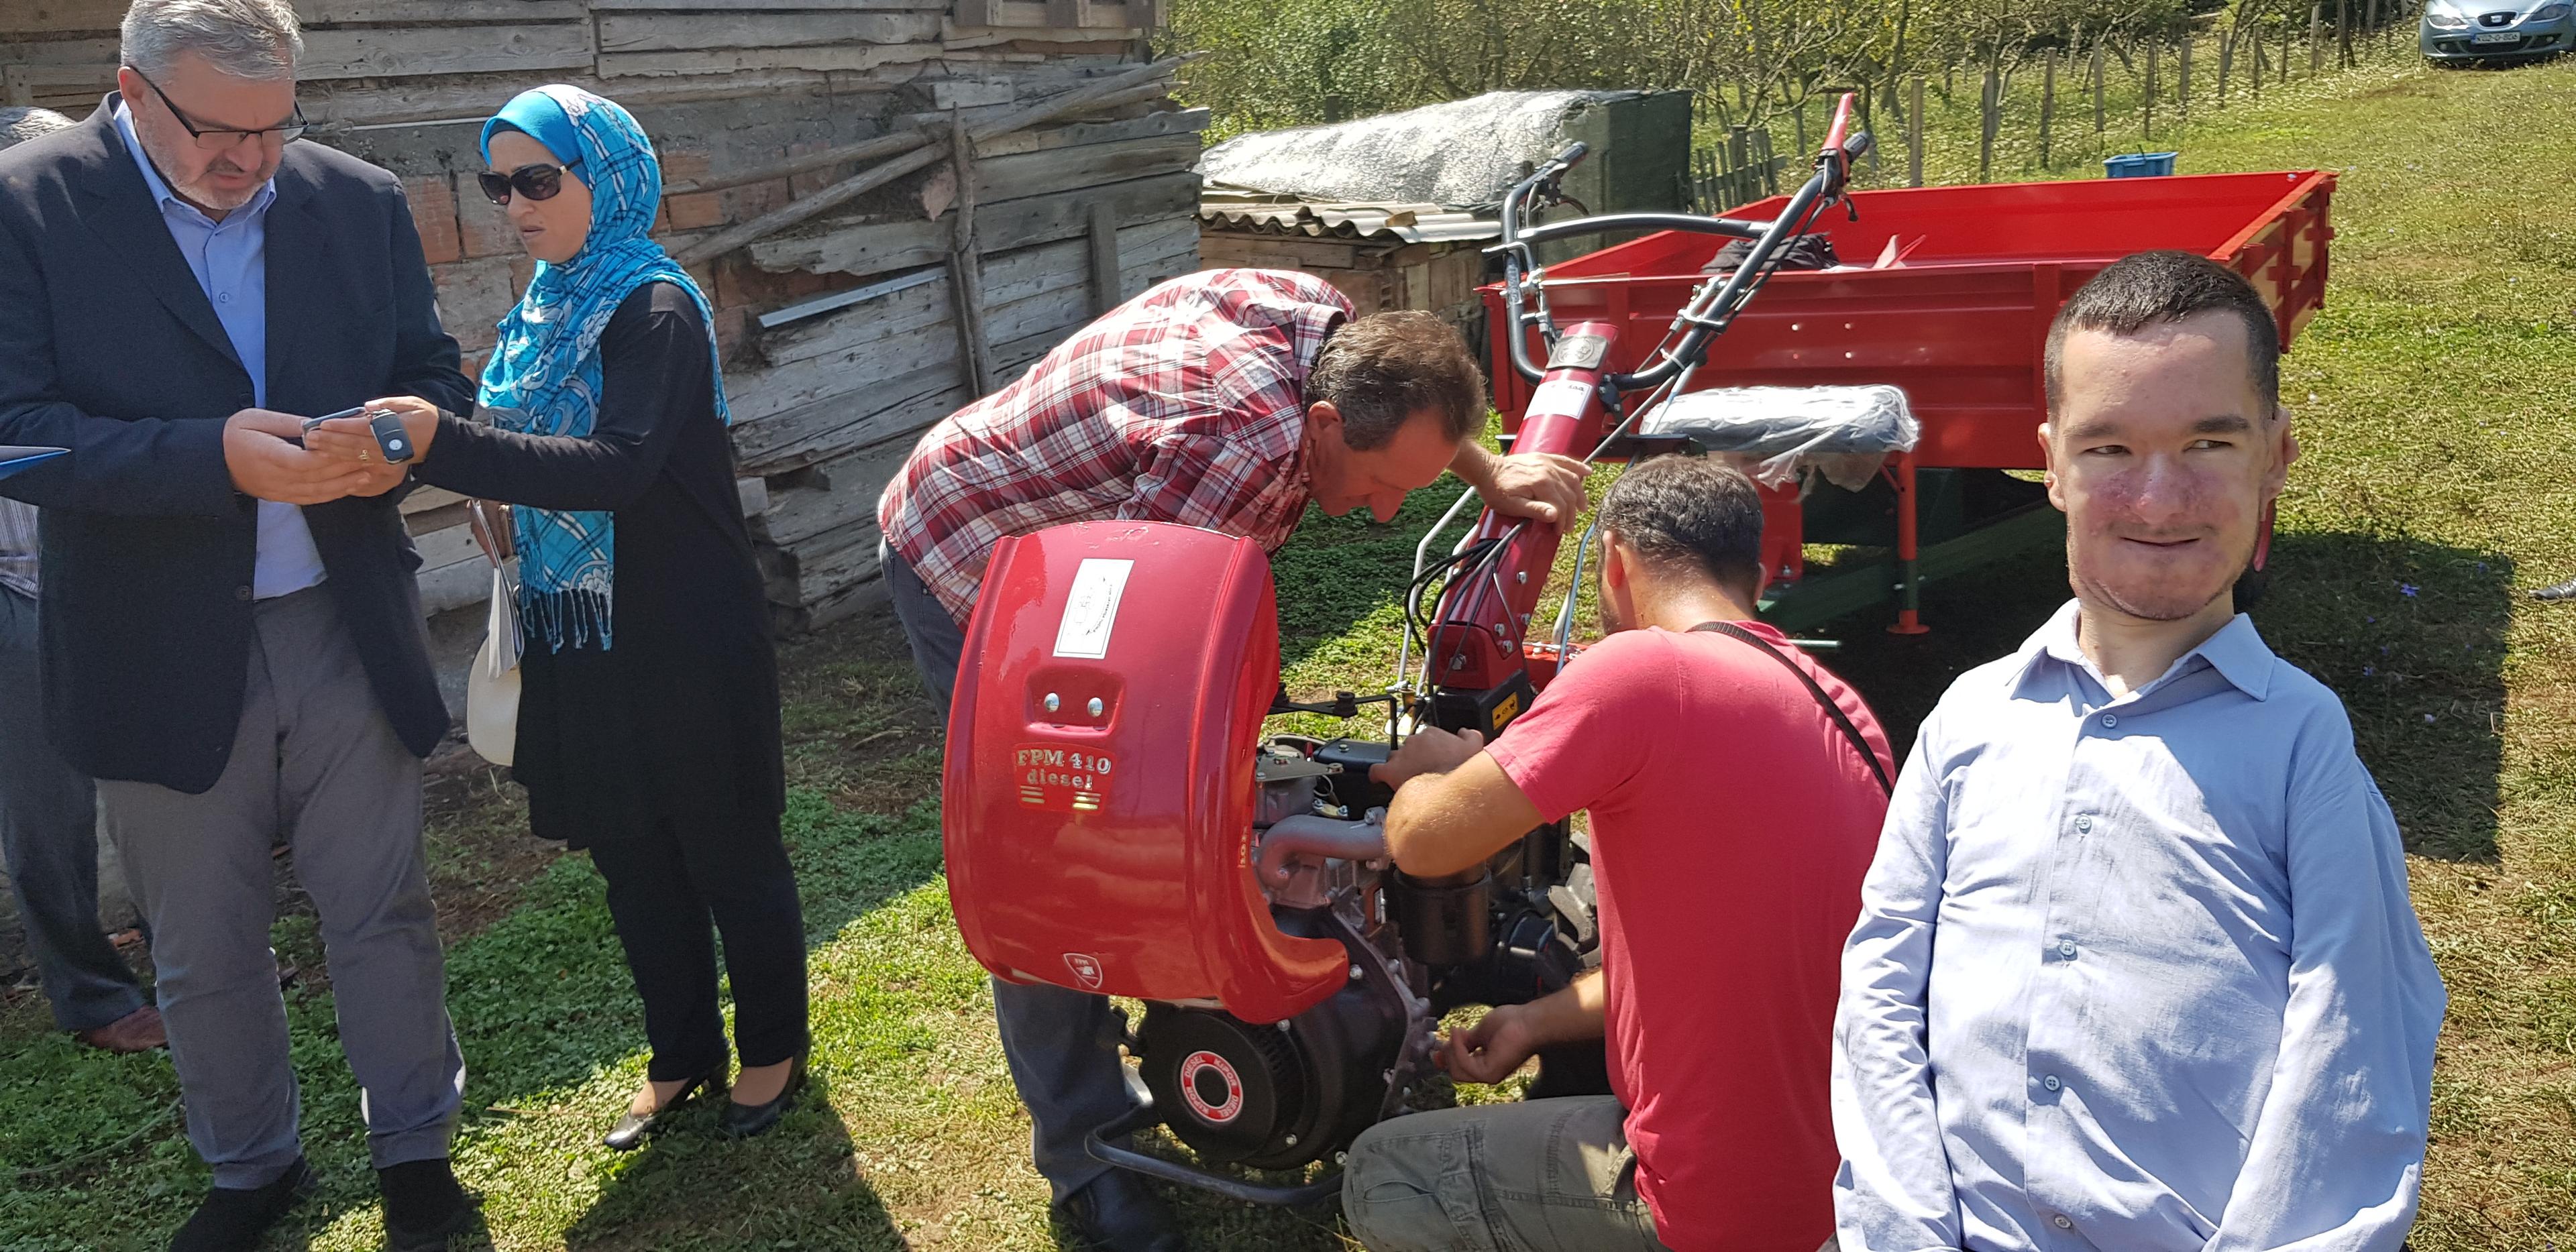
552,1033
2410,633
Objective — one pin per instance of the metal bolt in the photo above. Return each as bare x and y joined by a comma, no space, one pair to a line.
1520,576
1052,704
1288,1141
1341,1158
1096,706
1358,973
1457,662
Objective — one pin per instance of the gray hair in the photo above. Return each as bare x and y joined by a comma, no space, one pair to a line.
254,39
17,126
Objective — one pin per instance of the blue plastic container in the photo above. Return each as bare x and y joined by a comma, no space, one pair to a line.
2138,165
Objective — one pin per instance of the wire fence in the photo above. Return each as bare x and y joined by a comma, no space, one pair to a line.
2038,111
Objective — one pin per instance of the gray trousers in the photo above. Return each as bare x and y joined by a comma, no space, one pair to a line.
315,760
49,835
1534,1176
1062,1044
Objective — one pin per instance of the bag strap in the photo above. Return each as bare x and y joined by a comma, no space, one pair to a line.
1832,710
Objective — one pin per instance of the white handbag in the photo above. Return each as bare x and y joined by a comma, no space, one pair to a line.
492,687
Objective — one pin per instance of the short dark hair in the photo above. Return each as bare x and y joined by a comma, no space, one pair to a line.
1689,513
1381,369
2144,288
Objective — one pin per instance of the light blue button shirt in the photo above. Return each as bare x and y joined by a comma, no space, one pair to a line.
230,260
2136,973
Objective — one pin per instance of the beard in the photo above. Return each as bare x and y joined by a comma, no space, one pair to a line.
201,189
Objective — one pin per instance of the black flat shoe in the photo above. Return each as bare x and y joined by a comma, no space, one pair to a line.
742,1121
234,1219
1118,1213
424,1206
633,1128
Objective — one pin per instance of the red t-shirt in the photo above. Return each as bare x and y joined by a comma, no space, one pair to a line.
1731,825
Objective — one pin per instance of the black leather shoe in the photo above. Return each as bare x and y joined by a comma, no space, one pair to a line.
1117,1213
424,1206
742,1121
2558,591
633,1128
233,1219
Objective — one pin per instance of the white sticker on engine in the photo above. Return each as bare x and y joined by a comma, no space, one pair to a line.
1092,608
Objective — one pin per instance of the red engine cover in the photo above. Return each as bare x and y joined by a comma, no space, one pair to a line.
1109,851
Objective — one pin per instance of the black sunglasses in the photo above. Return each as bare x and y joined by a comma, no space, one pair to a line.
536,182
218,138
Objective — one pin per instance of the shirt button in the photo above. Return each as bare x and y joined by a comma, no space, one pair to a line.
2083,822
2110,720
226,298
2051,1082
2066,948
2062,1222
241,593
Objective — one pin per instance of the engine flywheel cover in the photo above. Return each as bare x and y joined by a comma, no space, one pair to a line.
1231,1090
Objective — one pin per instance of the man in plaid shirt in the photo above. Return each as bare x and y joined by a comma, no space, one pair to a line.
1228,399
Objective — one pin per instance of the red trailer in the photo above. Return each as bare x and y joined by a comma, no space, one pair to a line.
1959,323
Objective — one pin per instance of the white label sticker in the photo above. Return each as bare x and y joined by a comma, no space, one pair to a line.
1560,397
1092,608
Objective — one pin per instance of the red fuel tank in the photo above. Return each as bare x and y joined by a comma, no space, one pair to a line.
1098,796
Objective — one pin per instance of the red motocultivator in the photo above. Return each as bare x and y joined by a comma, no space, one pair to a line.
1117,822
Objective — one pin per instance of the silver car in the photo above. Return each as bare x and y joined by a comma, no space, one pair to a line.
2460,32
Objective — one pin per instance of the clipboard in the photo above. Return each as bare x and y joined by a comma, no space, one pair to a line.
13,459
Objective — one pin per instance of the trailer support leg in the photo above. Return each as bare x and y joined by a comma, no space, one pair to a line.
1909,586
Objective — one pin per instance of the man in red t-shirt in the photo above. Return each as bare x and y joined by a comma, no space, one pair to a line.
1736,791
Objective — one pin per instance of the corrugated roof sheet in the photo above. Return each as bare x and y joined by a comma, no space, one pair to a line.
1262,212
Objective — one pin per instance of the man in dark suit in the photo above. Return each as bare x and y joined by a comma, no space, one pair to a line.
230,632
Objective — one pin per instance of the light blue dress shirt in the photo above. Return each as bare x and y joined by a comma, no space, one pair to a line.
2136,974
230,260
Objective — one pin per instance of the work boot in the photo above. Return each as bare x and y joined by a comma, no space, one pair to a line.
2557,591
423,1205
233,1219
1116,1213
138,1031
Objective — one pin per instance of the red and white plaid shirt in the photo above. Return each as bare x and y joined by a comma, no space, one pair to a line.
1185,404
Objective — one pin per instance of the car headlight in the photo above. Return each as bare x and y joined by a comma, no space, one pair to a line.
2548,13
2444,19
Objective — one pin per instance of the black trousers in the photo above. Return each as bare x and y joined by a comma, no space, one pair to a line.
663,892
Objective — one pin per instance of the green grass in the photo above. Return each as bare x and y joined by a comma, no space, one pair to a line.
2435,402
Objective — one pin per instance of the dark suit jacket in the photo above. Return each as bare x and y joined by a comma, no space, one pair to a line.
110,348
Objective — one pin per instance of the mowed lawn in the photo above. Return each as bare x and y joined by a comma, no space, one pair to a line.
2437,410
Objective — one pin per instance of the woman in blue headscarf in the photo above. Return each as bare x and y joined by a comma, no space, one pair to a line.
648,716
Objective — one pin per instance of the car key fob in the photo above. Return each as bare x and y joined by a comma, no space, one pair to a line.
391,438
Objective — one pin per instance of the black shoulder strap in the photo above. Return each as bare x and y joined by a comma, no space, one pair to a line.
1859,743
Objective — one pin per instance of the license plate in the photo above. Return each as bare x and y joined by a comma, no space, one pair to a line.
2495,36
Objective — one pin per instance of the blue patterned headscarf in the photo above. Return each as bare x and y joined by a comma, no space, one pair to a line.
544,375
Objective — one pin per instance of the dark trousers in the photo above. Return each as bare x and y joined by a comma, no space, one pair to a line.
49,836
1062,1044
664,892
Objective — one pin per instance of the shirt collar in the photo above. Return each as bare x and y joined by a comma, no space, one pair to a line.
160,188
2237,652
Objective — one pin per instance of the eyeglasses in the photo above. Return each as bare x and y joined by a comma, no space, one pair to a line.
536,182
218,138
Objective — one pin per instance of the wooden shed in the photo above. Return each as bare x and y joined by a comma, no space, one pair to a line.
895,205
1382,256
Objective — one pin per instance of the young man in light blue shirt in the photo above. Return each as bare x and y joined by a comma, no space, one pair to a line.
2136,967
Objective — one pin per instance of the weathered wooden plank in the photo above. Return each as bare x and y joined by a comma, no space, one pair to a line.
1078,134
1058,14
413,13
696,32
1005,224
883,381
455,585
339,106
60,52
1281,251
960,35
752,6
48,17
832,59
446,545
428,499
1102,238
407,51
1058,170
